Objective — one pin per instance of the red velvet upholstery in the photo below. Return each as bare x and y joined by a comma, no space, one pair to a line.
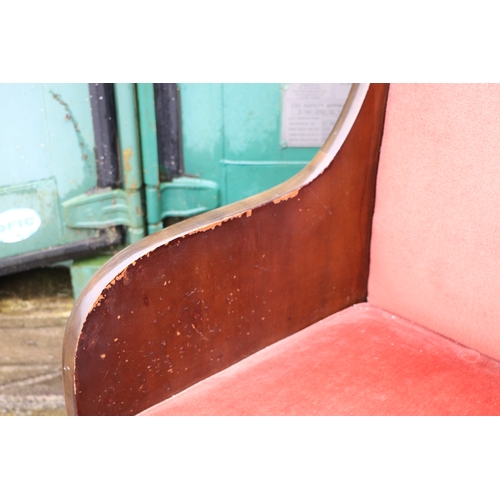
361,361
435,250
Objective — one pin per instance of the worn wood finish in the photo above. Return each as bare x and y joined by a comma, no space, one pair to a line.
196,298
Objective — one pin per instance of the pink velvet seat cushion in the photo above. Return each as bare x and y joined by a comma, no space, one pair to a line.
361,361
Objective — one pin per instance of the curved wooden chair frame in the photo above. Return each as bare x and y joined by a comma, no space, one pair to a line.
199,296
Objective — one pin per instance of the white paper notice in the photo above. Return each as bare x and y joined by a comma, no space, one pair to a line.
310,110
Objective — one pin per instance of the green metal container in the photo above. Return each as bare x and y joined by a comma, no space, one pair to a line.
237,140
89,166
53,204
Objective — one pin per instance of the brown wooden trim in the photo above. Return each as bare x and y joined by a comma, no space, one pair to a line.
196,298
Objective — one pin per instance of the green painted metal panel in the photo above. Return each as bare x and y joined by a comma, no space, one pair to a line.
252,124
105,208
198,191
48,182
202,130
185,197
128,133
149,153
149,145
232,135
24,137
130,157
68,120
40,200
83,269
46,136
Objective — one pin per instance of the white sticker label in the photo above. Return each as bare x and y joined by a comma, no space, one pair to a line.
18,224
310,110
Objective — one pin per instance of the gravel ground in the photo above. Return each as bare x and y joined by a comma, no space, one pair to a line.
34,307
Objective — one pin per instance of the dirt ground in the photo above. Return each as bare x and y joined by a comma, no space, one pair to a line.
34,307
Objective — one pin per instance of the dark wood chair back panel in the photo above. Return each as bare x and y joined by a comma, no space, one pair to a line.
208,292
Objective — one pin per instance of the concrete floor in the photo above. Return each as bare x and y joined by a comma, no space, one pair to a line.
34,307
